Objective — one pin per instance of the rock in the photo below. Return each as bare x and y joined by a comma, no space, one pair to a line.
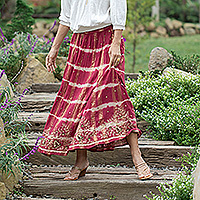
154,35
49,35
158,59
174,33
2,134
182,32
5,85
2,191
40,25
169,23
141,28
169,70
177,24
142,34
198,26
151,26
34,72
161,30
40,32
196,193
190,31
189,25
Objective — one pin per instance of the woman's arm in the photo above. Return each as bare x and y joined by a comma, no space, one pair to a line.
53,53
114,52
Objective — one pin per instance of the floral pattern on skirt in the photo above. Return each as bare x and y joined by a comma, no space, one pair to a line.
92,109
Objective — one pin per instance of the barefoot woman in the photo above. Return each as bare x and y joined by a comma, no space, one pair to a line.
92,110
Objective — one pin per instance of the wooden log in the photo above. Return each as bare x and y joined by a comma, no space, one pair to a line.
103,182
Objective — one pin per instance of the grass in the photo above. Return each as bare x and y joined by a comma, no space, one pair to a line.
186,45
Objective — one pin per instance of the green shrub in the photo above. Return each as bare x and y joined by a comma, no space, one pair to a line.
182,186
171,105
177,9
189,64
22,20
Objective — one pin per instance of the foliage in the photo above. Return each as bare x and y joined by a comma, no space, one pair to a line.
11,150
182,186
183,10
170,103
138,14
48,7
189,63
22,20
14,54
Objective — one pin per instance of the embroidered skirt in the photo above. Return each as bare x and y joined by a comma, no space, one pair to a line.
92,109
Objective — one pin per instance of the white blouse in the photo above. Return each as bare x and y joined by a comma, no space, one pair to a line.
88,15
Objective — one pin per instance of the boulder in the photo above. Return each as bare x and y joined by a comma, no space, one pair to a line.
40,32
5,85
190,31
169,23
60,61
177,24
169,70
34,72
151,26
174,33
198,26
40,25
154,35
196,193
2,134
142,34
2,191
158,59
189,25
181,31
161,30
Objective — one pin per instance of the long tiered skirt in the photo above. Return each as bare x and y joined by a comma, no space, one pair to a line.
92,109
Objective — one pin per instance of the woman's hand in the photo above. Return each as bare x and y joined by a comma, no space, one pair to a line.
51,60
115,55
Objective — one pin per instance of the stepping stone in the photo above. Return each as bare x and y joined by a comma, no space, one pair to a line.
123,183
38,121
159,154
54,87
37,102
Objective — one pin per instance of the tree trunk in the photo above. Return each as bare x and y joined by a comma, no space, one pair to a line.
135,37
156,11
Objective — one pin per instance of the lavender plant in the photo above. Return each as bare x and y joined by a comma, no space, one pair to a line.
15,53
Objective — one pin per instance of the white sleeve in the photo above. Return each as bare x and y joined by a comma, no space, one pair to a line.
65,12
118,13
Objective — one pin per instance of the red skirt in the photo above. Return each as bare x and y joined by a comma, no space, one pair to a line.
92,109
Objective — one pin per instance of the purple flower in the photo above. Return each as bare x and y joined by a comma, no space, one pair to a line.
29,38
53,26
2,73
6,153
52,39
124,39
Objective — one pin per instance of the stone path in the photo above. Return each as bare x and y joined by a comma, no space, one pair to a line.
103,181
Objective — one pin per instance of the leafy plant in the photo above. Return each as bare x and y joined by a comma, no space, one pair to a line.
22,20
170,104
182,186
15,134
188,63
15,53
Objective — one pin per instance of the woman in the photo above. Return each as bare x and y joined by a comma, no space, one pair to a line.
92,110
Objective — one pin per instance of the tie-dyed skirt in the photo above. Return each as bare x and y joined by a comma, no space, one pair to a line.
92,109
